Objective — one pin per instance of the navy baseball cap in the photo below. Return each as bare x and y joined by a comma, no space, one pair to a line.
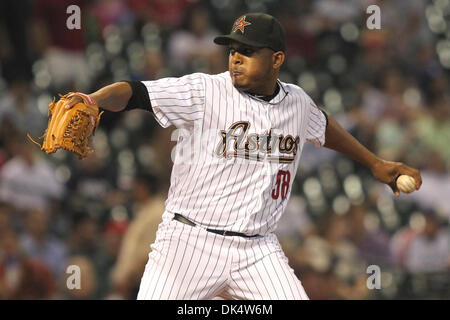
257,30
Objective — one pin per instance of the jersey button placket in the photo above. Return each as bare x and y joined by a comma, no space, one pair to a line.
267,164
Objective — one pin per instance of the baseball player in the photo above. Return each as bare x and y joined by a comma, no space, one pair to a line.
227,194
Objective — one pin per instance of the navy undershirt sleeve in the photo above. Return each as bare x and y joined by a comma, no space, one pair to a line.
140,98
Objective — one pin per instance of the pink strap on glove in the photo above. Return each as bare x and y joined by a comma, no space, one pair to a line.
86,98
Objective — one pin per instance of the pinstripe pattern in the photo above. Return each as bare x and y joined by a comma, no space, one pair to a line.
189,263
232,194
227,191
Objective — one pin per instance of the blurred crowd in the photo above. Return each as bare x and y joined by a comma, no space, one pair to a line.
389,87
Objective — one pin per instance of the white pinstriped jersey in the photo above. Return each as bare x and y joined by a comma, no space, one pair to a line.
239,154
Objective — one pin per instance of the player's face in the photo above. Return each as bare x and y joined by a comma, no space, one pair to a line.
254,69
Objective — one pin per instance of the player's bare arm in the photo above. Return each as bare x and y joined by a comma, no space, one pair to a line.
113,97
338,139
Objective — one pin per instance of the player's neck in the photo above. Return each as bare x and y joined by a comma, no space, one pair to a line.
267,97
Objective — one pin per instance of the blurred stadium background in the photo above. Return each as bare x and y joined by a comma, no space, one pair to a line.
388,87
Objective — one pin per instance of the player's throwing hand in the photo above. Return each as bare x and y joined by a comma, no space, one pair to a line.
388,172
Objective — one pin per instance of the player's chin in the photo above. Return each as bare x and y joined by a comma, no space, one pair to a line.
240,84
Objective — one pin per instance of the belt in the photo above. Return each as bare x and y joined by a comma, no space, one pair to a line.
184,220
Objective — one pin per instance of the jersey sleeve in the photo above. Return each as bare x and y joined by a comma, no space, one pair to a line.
177,101
317,125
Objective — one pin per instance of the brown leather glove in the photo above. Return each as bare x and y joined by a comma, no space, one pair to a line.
70,129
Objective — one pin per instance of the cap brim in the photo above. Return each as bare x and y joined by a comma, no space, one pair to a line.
226,39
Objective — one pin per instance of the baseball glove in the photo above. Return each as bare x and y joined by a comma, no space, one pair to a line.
70,129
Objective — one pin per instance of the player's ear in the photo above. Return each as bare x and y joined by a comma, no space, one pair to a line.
278,59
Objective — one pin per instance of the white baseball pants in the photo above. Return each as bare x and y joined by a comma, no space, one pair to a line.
191,263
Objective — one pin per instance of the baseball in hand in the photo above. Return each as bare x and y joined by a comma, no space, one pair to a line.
406,184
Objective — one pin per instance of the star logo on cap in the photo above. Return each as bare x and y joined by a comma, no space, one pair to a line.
240,24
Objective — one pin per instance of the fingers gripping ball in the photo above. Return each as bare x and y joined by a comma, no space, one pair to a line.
70,129
406,184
